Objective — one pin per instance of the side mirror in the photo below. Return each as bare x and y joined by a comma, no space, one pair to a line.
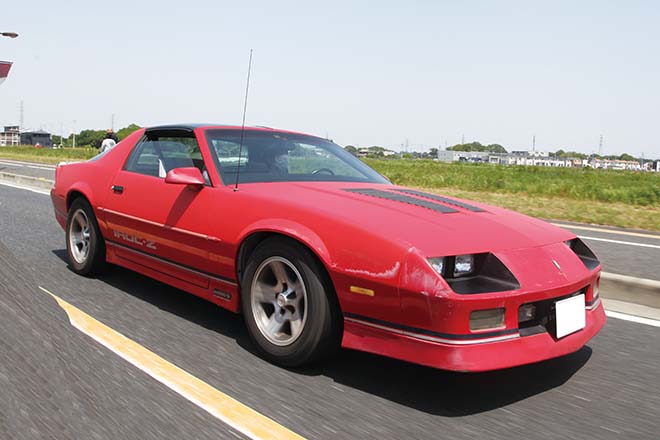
185,176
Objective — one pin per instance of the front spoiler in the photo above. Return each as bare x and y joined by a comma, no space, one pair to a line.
475,357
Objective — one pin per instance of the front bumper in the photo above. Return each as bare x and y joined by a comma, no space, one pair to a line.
510,350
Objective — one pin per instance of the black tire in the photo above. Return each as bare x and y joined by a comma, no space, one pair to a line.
321,331
94,261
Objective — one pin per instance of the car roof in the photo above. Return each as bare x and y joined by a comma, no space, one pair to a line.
190,127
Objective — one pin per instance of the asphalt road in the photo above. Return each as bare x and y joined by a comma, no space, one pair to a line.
609,389
636,256
27,169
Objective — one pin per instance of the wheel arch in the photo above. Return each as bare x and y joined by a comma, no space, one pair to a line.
76,192
307,239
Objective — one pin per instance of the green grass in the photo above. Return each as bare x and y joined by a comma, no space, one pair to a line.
47,155
632,188
585,211
617,198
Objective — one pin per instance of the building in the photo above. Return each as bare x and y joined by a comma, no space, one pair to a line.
37,138
529,158
10,136
462,156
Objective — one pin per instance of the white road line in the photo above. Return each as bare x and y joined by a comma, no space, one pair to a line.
632,318
627,243
26,164
608,231
26,188
39,168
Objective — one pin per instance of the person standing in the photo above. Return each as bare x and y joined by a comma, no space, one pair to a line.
109,141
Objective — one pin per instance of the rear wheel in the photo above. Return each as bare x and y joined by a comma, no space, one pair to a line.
84,243
288,304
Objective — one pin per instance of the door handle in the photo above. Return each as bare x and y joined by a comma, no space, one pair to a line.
117,189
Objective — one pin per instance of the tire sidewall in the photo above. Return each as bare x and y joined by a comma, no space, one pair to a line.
96,254
307,346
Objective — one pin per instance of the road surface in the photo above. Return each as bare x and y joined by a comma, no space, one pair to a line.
607,390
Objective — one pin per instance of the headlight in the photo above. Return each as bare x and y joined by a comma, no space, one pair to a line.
438,264
463,265
474,273
453,267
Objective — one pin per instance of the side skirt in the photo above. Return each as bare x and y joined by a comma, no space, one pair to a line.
224,293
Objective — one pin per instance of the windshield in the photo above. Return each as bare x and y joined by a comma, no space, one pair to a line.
284,157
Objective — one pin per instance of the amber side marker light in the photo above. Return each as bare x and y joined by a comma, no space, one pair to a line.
487,319
362,291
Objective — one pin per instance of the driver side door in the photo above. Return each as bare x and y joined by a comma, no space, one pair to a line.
159,225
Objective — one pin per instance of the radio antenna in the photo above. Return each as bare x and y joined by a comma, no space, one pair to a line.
240,148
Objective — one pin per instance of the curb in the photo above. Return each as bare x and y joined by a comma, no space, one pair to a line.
38,182
630,289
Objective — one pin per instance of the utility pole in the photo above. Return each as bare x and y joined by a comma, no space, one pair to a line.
112,122
600,146
74,133
462,139
534,143
20,119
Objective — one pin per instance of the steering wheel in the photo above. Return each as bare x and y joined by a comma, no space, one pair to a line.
323,170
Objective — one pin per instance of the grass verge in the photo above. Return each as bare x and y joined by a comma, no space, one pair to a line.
575,198
584,211
47,155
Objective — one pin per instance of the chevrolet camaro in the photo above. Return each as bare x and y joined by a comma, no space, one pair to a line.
318,251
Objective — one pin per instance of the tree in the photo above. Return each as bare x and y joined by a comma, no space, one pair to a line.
126,131
433,152
351,149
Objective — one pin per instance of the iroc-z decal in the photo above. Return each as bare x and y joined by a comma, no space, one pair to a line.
135,240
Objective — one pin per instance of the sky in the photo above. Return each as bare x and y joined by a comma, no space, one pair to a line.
416,73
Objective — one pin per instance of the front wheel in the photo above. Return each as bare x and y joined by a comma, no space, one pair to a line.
84,243
288,304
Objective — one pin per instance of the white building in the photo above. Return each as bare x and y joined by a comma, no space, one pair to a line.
10,136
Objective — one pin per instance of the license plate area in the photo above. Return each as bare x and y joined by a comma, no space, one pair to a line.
570,315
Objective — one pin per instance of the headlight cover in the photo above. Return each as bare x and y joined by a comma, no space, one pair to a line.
475,273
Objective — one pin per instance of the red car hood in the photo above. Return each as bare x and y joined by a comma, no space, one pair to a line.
431,232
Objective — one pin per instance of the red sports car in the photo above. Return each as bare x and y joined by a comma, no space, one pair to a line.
318,251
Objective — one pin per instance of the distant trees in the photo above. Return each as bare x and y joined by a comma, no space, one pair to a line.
477,146
626,156
561,154
93,138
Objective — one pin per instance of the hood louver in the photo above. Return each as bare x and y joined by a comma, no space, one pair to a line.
403,199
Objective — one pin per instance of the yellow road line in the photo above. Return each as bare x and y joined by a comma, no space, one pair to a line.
230,411
608,231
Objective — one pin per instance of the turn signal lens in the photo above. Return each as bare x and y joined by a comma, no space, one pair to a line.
486,319
464,265
596,289
526,313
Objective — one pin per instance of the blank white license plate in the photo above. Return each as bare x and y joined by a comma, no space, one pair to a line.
570,315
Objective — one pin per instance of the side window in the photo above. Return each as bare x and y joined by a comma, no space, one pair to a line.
156,155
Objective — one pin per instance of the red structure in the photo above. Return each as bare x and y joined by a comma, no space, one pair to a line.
5,66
